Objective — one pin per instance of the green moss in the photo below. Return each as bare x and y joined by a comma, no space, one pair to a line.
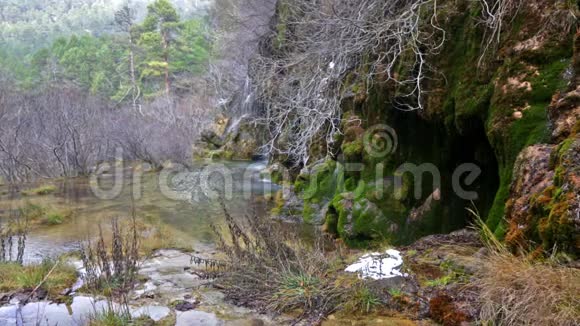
548,80
558,228
442,281
353,150
308,213
531,129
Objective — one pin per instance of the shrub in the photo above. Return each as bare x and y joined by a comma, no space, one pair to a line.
32,212
268,267
110,317
54,219
112,269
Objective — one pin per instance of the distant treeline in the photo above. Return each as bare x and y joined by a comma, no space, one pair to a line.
162,54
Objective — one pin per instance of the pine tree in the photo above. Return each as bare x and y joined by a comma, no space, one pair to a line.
158,33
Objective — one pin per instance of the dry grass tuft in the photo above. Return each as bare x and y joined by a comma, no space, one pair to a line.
517,291
521,290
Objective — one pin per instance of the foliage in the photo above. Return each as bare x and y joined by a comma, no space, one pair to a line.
110,317
363,300
100,63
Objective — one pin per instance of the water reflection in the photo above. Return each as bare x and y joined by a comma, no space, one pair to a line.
189,217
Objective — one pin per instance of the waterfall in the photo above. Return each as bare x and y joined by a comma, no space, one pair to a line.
235,123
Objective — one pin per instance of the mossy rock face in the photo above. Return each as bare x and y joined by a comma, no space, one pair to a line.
544,204
485,110
317,186
560,226
354,217
229,139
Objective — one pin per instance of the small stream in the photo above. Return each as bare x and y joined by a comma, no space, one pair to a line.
187,212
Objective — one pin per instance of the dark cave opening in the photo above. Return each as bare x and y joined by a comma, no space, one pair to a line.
423,141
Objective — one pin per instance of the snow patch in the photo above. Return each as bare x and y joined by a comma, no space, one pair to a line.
378,265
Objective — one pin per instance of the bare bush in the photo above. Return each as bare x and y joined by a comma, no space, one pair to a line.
269,268
318,43
112,267
65,132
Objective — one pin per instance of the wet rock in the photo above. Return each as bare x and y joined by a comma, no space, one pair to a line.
5,297
543,205
156,313
198,318
439,268
39,294
212,139
167,275
237,138
184,305
564,113
19,298
337,320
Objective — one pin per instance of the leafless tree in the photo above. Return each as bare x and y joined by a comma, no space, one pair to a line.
238,27
66,132
317,43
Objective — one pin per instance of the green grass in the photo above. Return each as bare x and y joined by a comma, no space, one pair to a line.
54,219
395,293
110,317
37,214
362,301
14,277
442,281
40,191
32,212
297,290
